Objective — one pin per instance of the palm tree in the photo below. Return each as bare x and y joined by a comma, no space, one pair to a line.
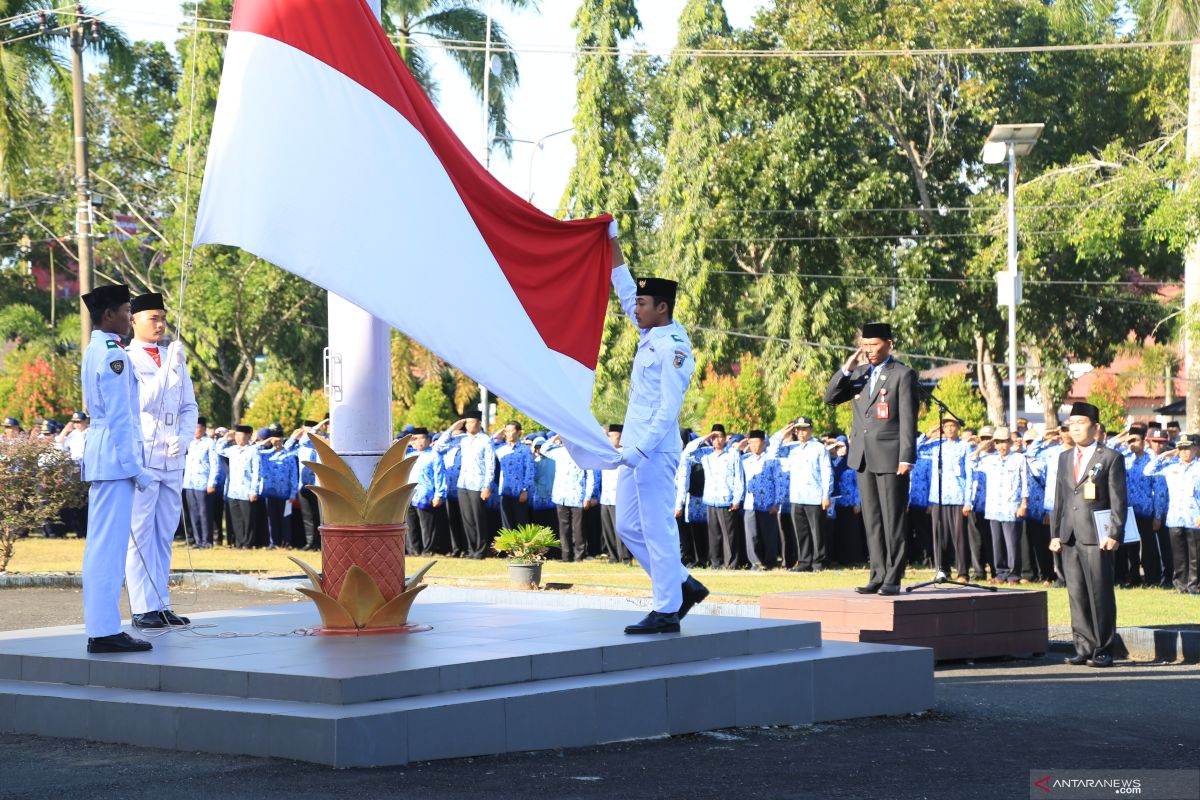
32,60
411,21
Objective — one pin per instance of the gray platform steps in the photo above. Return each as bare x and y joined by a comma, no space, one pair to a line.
487,680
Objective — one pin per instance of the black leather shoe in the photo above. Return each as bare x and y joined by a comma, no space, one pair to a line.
1100,661
149,620
889,589
870,588
693,592
117,643
171,618
656,622
1076,661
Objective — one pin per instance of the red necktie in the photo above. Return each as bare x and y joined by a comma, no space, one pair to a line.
153,351
1078,463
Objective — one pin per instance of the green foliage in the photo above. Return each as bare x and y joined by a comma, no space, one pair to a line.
740,403
23,322
1107,394
39,383
957,393
431,408
316,405
276,402
804,396
506,413
526,544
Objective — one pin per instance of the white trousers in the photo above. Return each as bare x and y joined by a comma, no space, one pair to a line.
148,558
110,508
646,524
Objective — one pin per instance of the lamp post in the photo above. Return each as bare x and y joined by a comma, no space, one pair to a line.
538,144
1011,141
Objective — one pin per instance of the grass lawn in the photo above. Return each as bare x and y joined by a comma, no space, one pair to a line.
1134,606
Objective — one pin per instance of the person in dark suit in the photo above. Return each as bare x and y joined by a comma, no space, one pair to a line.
883,447
1091,477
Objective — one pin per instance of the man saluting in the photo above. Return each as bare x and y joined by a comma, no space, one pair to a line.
651,445
112,462
883,447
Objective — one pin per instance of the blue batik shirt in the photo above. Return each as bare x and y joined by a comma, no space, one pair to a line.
516,468
1035,507
807,466
951,480
278,473
690,505
243,464
429,473
573,485
976,484
541,497
198,468
845,484
304,452
765,484
1048,454
919,480
1183,490
477,459
1007,485
724,483
1139,487
452,459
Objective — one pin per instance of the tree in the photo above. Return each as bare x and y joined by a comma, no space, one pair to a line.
276,402
316,405
739,402
1107,394
506,413
431,407
960,397
462,21
804,396
33,468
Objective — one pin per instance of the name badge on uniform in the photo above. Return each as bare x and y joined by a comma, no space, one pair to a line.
1089,490
883,411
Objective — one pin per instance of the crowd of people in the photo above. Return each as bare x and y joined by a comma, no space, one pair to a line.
979,500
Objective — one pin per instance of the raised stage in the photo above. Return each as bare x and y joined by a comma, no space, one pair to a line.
487,679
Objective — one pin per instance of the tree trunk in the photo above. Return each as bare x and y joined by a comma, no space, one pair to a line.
1191,265
1045,392
989,382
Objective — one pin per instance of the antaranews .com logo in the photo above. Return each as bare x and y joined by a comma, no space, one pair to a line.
1160,784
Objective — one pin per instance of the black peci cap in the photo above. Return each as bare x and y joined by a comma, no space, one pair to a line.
151,301
202,421
756,434
309,423
1085,410
657,287
877,330
718,428
246,429
417,431
106,297
615,428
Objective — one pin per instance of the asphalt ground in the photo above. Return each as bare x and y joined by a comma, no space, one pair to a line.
993,722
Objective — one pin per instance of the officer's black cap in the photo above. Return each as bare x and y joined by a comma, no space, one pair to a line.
246,429
202,421
616,428
877,330
657,287
420,431
756,434
151,301
473,414
106,297
309,423
1088,410
718,428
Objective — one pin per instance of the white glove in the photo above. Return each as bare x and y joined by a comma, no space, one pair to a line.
631,457
612,228
175,355
143,480
172,446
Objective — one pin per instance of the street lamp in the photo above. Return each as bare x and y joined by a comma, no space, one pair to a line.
538,144
1013,141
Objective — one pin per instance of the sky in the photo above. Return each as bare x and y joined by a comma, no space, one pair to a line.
543,104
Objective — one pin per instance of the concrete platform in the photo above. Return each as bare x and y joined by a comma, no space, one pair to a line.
956,623
487,679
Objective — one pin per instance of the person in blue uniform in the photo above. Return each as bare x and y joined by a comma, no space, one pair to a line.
765,485
541,497
1157,565
429,473
242,484
691,515
849,538
516,475
112,463
197,471
477,459
979,530
947,455
1006,502
305,502
575,489
1181,469
1139,490
724,490
1037,562
280,478
805,462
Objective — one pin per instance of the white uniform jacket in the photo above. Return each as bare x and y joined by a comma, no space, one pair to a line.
167,405
661,372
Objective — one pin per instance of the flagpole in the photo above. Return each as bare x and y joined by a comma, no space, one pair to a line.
358,369
484,400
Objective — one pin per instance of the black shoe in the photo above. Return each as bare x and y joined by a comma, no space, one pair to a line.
889,589
1100,661
149,620
870,588
171,618
818,568
656,622
117,643
1076,660
693,592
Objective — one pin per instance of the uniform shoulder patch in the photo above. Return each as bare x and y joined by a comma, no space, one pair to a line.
679,338
117,366
111,345
680,357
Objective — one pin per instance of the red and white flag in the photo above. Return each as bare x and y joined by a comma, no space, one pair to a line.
328,160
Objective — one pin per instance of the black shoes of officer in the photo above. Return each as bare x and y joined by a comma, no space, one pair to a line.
1100,661
1076,660
117,643
149,621
693,592
171,618
870,588
656,622
889,589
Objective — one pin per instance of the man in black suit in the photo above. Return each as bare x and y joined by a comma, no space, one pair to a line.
883,447
1091,477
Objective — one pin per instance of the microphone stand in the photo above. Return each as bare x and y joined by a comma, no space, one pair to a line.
939,577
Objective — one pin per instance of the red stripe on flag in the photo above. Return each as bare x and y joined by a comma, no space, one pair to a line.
559,269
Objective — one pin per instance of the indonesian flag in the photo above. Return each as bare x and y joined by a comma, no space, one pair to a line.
328,160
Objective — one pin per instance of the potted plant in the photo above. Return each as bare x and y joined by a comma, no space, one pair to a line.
526,547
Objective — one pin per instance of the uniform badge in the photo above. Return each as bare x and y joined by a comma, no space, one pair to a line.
680,357
642,283
118,366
